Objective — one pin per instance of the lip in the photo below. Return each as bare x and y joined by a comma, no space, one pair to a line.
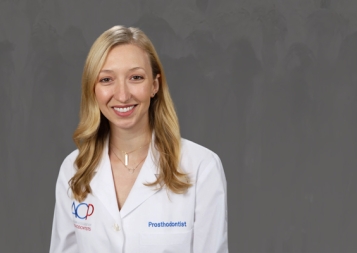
124,114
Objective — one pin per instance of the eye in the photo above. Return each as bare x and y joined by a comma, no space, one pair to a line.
105,80
136,77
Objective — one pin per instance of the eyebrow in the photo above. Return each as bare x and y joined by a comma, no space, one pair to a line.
135,68
106,71
111,71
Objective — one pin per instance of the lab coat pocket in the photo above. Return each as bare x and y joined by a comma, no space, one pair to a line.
166,242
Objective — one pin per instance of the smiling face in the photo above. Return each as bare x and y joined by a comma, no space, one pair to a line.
125,86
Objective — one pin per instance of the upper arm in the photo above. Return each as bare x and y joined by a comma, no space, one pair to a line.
63,239
210,226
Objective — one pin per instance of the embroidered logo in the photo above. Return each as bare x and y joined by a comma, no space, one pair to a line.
82,210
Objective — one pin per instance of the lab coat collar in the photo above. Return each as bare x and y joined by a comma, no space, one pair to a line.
102,184
103,187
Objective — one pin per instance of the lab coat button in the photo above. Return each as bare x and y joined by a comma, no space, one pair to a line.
116,227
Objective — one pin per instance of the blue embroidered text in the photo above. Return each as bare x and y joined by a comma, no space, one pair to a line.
167,224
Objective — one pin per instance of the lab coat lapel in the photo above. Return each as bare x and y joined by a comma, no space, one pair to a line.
102,185
140,192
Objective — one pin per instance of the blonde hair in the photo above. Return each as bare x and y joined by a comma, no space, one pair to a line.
93,127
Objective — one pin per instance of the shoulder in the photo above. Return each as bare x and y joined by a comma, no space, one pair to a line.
194,150
68,168
203,167
195,156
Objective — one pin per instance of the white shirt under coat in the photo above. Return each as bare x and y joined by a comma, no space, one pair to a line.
151,220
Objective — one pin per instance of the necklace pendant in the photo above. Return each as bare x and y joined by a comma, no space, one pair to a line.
126,159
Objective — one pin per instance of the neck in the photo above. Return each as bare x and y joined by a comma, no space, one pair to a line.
126,140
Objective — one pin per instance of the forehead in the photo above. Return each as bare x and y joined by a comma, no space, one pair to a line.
127,56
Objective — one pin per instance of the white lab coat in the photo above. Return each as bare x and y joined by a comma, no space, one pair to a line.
151,220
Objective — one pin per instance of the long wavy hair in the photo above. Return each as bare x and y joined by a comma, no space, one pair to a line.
93,127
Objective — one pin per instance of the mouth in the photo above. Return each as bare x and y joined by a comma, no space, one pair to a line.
124,109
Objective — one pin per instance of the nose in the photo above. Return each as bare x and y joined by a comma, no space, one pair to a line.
121,91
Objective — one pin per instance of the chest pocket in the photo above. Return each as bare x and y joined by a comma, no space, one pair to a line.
166,243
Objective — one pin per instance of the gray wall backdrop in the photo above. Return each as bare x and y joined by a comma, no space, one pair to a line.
268,85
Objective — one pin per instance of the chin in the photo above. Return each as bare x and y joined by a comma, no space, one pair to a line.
126,125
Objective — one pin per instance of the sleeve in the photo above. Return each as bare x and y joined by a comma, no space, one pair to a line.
63,239
210,226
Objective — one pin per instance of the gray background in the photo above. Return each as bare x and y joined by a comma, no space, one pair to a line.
268,85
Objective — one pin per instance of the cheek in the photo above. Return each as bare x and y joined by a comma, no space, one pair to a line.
149,90
102,95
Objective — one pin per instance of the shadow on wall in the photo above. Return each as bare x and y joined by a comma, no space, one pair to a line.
296,129
246,82
7,71
273,32
325,32
52,76
344,139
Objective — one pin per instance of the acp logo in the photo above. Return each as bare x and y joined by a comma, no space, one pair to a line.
82,210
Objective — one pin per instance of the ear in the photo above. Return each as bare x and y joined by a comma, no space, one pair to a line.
156,85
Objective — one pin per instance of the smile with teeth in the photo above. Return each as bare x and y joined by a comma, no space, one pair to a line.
124,109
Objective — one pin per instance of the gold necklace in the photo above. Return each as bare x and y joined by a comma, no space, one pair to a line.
131,170
126,154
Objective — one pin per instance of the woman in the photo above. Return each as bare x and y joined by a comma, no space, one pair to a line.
134,185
